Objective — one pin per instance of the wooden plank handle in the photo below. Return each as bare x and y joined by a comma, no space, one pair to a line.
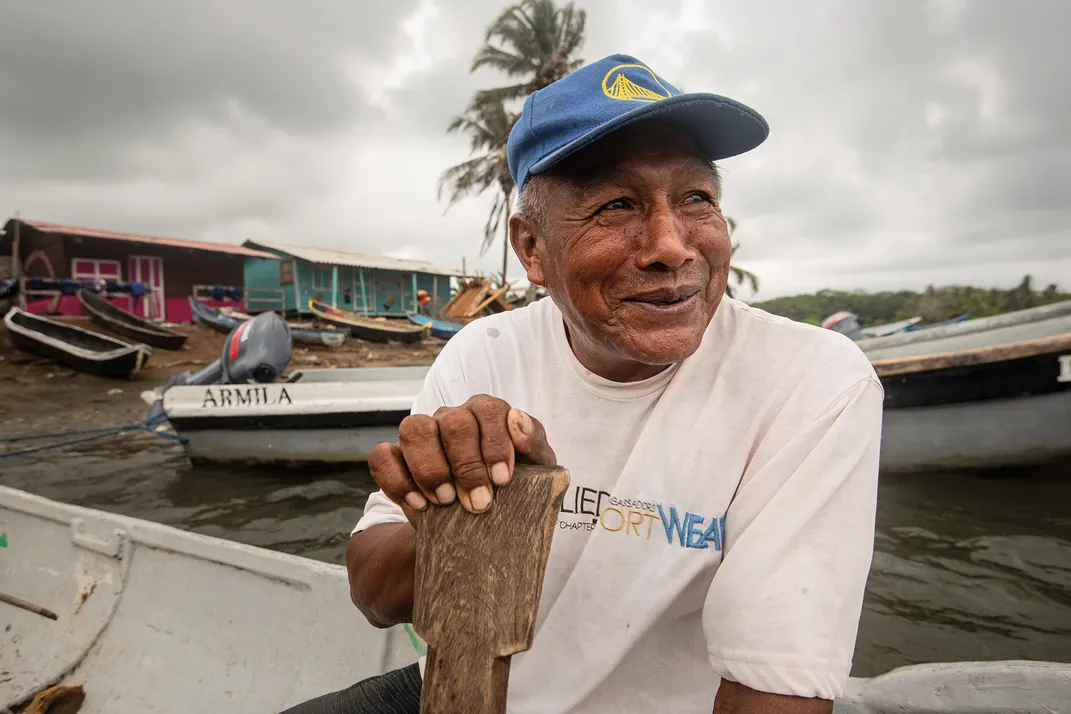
478,582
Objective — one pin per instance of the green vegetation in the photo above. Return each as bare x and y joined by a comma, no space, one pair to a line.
534,42
933,305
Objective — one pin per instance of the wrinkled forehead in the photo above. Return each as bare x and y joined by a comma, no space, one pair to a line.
631,145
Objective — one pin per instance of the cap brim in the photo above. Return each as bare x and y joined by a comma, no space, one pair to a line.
721,126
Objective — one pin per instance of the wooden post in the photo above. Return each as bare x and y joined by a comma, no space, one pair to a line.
478,582
334,286
16,265
434,296
364,295
416,302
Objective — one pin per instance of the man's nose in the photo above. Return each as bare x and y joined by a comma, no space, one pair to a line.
663,241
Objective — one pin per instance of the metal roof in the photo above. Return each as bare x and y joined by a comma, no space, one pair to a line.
47,227
328,256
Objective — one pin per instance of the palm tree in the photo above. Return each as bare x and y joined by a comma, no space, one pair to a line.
488,125
738,275
536,42
536,39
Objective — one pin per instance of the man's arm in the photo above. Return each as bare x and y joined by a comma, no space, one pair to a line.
735,698
380,562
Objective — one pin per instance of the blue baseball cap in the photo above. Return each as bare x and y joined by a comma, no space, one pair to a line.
599,98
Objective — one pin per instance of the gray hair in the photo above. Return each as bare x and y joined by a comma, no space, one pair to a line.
533,198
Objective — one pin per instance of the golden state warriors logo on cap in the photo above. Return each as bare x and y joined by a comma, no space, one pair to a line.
633,83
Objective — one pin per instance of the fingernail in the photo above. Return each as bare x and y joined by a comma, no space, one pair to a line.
416,500
446,493
500,473
481,498
526,423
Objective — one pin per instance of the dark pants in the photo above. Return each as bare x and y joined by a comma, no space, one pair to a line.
396,692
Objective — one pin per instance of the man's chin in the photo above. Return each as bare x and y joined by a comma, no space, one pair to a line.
662,347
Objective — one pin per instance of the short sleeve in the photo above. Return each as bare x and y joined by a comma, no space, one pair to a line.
782,612
433,394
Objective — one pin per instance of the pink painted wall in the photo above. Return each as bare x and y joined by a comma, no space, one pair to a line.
177,310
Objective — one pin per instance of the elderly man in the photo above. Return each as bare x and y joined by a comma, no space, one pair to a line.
714,545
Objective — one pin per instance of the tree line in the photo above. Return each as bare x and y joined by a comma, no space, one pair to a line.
934,304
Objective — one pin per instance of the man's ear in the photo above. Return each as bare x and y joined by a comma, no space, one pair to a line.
528,243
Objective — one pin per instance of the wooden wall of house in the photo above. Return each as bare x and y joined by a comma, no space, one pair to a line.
183,268
387,293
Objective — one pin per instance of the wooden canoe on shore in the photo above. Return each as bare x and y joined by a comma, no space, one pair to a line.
365,328
154,620
74,347
121,322
439,328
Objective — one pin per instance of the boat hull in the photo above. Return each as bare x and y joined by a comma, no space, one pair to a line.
993,434
439,328
110,317
155,620
74,347
364,328
301,423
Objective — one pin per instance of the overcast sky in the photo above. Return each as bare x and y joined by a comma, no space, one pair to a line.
911,142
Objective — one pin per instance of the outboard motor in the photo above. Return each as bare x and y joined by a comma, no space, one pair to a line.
257,351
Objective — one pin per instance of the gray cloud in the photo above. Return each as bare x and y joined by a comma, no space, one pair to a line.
911,142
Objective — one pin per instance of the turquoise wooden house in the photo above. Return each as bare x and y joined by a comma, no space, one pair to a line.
375,285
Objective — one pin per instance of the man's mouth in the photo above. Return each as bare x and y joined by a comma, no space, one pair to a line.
667,300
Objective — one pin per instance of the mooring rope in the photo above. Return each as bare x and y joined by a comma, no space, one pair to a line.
87,435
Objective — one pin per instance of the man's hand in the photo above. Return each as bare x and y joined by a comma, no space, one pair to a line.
735,698
460,452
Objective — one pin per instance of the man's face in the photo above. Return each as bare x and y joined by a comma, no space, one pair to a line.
634,249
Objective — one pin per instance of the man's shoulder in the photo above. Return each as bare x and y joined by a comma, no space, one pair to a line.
811,350
512,333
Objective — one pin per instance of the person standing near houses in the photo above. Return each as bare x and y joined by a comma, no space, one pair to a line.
713,549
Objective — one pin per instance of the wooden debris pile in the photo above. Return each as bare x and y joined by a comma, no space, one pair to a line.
476,298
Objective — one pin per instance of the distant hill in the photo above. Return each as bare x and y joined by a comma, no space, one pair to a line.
933,305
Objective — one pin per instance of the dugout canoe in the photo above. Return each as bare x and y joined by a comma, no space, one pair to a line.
75,347
366,328
113,318
439,328
224,323
151,619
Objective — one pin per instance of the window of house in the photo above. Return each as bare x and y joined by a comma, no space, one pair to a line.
95,269
286,272
321,277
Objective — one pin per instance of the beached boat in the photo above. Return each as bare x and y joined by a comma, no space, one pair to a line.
966,334
990,398
439,328
319,417
365,328
75,347
225,322
121,322
150,619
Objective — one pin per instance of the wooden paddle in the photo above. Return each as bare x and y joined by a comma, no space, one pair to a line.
478,581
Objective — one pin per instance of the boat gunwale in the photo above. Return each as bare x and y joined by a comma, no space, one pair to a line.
972,357
350,318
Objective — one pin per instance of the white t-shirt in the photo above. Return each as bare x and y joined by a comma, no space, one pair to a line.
720,516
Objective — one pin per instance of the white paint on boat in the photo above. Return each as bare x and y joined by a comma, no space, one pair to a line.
291,446
977,435
299,398
1035,322
155,620
360,374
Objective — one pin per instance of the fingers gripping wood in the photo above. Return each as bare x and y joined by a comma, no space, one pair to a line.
478,582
